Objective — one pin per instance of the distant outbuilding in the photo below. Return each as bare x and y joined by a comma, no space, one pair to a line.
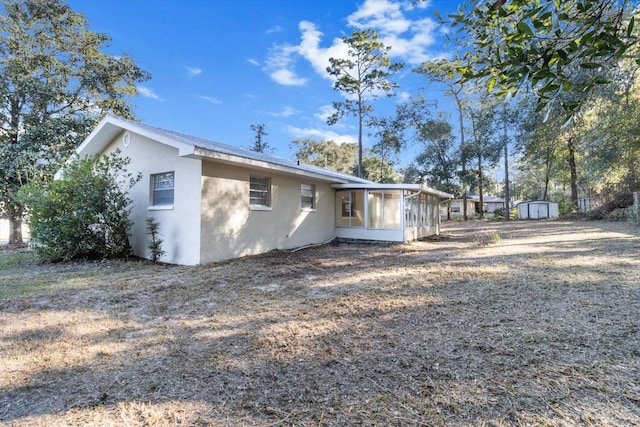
538,209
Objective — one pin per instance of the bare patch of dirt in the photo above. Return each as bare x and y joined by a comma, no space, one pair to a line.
520,323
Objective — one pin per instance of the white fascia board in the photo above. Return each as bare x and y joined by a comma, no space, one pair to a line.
110,127
258,164
410,187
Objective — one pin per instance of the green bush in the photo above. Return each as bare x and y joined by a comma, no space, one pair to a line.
85,214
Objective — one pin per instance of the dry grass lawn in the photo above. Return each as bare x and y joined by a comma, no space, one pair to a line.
525,323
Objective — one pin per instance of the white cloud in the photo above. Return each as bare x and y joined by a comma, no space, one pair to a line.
403,96
317,56
410,39
282,58
402,25
280,66
287,78
211,99
383,15
147,93
274,29
253,61
322,134
324,112
287,111
194,71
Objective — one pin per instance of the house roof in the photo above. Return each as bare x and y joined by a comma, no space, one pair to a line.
190,146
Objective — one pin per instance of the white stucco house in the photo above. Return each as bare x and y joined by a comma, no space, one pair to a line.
215,201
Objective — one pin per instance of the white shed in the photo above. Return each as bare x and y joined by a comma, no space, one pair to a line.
537,210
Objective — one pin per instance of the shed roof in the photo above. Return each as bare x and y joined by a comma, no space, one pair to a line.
190,146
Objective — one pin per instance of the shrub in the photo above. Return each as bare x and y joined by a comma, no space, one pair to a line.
155,245
85,214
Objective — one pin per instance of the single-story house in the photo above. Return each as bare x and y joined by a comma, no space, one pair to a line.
215,201
492,203
539,209
457,207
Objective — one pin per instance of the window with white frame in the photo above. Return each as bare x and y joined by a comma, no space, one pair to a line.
260,191
307,196
162,189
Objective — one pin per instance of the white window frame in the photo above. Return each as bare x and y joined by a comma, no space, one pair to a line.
266,206
304,189
153,191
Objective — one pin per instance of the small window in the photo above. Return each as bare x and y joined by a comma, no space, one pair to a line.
162,189
348,205
260,191
307,196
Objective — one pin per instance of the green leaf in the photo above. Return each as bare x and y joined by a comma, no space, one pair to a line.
562,54
491,83
524,28
550,88
630,27
590,65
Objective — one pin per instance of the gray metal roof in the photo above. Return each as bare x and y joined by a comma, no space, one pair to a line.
231,150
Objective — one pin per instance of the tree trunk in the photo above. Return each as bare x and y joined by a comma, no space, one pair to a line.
13,208
15,231
15,224
463,160
507,195
574,172
480,187
360,119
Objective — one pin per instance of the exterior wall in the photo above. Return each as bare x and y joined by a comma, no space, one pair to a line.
362,233
179,225
415,233
457,207
490,207
230,228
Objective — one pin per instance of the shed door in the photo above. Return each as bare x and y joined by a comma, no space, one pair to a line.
543,210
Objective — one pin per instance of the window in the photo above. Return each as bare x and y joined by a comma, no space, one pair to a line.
259,191
348,205
350,208
384,209
162,189
307,196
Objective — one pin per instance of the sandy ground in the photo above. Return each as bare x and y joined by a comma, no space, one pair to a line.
521,323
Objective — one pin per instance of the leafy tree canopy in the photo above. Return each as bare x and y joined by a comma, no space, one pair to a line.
55,83
516,44
326,154
260,144
361,76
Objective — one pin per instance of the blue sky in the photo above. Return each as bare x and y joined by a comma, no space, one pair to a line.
219,66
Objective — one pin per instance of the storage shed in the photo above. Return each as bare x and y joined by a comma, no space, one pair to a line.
537,210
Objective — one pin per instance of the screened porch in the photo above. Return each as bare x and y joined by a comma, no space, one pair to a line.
387,212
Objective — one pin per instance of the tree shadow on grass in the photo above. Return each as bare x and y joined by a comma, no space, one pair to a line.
261,341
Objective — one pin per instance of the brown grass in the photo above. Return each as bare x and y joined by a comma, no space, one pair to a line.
526,323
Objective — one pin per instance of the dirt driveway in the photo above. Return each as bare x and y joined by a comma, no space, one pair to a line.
524,323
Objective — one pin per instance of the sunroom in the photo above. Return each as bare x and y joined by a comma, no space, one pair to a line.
387,212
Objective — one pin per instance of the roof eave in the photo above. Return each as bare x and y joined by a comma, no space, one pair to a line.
264,165
110,127
412,187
